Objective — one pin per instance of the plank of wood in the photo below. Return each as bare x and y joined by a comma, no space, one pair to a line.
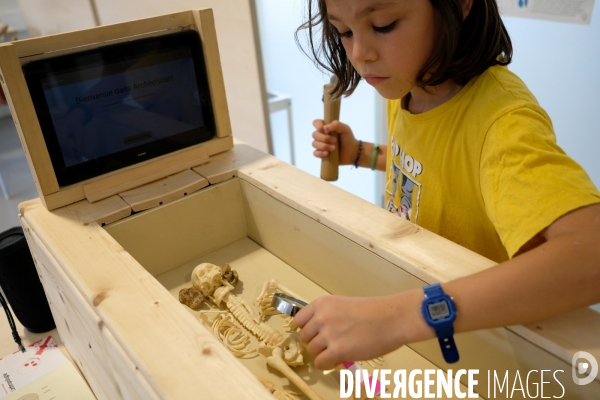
127,374
224,166
66,195
189,227
421,253
105,34
152,170
274,225
205,23
164,190
74,193
566,334
26,122
92,45
102,212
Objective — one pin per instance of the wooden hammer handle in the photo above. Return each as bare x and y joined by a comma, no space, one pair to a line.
330,164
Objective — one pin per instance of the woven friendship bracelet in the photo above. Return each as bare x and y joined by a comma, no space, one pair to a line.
374,156
358,155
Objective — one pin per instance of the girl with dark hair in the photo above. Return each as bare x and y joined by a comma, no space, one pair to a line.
480,164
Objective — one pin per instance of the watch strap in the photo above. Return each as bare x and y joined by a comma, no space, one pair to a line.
447,344
433,290
445,334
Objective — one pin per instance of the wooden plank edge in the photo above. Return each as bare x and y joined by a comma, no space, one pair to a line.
103,212
164,190
142,175
205,24
26,122
55,53
73,193
105,34
564,335
225,165
155,169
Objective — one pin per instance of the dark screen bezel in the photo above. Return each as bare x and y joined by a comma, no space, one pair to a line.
36,71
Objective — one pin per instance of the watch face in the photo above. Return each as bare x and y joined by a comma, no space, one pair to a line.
438,310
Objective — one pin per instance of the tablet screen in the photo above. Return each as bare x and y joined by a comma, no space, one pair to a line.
103,109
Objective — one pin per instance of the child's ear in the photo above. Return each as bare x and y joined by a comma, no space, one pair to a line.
466,8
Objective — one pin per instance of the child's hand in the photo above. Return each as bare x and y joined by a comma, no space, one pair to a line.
338,329
325,143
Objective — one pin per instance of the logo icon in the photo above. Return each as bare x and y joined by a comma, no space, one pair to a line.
584,363
29,365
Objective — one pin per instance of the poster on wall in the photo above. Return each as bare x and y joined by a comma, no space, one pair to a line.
570,11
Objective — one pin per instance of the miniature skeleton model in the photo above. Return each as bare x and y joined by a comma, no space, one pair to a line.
282,350
278,394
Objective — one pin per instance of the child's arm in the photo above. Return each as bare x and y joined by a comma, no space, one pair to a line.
349,145
561,274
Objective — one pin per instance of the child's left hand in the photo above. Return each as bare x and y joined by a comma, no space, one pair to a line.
338,329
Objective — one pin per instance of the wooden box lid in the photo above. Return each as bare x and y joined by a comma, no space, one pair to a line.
15,54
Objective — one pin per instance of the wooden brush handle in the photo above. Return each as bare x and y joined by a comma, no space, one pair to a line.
330,164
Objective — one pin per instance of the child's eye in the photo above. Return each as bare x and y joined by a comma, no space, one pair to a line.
385,29
346,34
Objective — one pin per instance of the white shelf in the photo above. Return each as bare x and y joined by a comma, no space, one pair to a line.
277,102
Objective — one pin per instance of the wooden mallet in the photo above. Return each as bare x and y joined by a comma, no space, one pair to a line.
330,164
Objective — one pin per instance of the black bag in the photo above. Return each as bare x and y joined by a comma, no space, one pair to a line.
20,283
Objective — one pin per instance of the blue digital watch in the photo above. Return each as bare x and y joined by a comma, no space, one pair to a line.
439,312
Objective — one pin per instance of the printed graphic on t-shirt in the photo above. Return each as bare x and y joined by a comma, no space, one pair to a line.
403,190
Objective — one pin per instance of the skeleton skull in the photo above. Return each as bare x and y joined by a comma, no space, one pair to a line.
207,278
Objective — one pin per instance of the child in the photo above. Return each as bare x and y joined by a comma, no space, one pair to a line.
471,156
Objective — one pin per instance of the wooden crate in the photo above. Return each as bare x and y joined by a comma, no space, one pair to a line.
113,289
112,275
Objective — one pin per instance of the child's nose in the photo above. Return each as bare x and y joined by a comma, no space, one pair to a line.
362,50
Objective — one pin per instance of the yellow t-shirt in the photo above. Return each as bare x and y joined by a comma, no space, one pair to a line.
482,169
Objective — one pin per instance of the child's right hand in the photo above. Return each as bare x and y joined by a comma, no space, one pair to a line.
324,143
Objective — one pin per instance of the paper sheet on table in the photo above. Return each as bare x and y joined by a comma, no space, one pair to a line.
41,373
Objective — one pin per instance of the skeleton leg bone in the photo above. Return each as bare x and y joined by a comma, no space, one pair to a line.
276,361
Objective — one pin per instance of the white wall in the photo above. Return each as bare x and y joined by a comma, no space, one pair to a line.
11,15
560,63
290,72
8,5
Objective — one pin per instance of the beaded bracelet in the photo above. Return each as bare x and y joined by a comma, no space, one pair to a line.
358,155
374,156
